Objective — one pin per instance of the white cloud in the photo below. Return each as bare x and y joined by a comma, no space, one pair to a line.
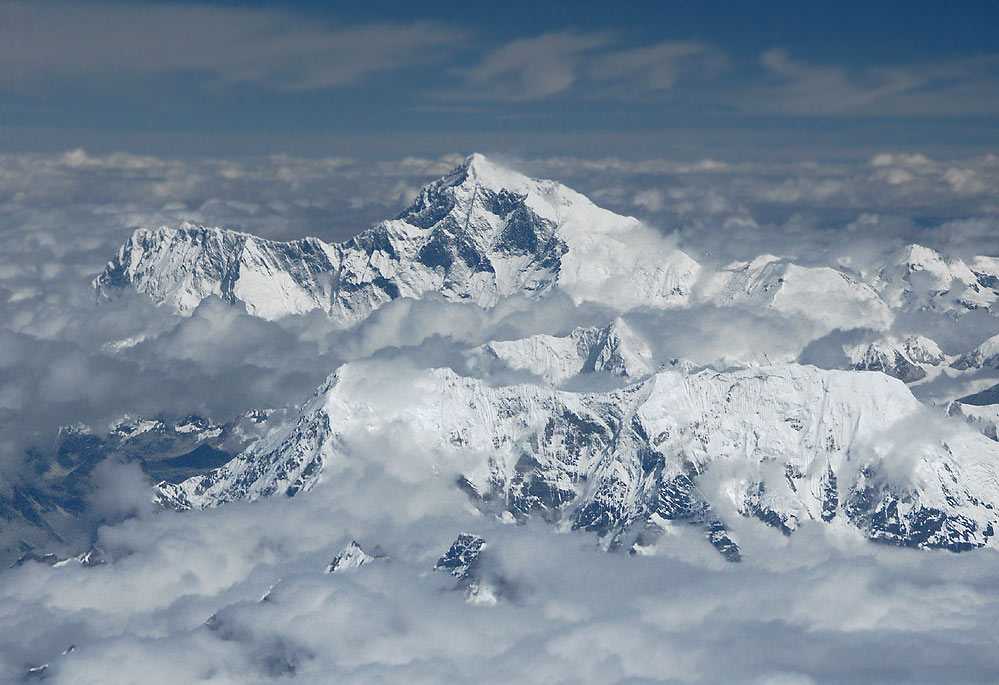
651,199
815,608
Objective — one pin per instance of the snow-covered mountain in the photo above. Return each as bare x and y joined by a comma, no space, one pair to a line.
483,232
917,277
985,355
984,418
784,444
615,348
478,234
830,297
903,359
350,557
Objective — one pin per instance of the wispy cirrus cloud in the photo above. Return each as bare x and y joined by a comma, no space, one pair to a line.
542,66
45,47
57,50
659,67
795,87
533,68
607,66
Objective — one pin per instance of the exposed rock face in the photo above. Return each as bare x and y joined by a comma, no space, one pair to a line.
461,559
985,355
901,359
783,444
464,561
350,557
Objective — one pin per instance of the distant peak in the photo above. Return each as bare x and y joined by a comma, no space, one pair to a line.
914,253
480,170
478,163
764,259
476,160
189,228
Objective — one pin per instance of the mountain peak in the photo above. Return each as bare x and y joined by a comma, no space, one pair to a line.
804,439
484,171
476,161
477,170
479,179
915,255
480,233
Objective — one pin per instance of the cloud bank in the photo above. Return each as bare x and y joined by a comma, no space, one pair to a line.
183,599
821,607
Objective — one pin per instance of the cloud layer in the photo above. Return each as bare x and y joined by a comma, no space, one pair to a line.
183,599
821,607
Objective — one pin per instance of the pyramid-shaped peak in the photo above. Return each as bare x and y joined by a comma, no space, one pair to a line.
478,163
915,254
477,160
479,182
479,170
352,556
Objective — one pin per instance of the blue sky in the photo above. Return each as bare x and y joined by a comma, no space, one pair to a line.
733,80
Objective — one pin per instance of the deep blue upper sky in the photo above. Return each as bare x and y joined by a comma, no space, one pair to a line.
680,79
847,31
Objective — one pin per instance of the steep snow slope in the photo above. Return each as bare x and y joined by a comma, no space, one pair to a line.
784,444
985,355
918,277
183,266
984,418
478,234
830,297
615,348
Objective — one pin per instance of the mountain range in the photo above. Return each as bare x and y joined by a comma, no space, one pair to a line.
672,443
482,233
